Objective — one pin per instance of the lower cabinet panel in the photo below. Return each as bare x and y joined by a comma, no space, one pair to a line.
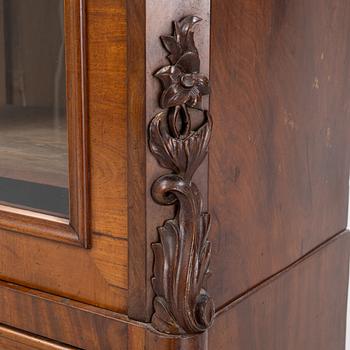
303,308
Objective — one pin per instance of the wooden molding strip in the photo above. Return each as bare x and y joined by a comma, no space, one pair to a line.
88,327
83,326
76,229
11,338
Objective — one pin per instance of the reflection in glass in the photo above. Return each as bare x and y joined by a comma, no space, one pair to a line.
33,124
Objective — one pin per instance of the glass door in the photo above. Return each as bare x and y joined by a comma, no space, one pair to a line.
44,184
33,120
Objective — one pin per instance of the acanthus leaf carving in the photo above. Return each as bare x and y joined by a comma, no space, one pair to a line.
182,255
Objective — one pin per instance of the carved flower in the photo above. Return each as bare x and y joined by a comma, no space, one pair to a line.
183,84
181,87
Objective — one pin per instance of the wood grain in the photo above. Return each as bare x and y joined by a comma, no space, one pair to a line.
84,326
137,145
107,110
286,312
147,20
97,276
303,308
279,157
78,158
11,339
77,230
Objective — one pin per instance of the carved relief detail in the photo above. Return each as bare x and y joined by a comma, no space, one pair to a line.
182,255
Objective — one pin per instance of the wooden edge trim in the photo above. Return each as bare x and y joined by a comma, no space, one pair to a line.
75,38
14,336
89,327
233,303
94,328
138,308
76,230
39,225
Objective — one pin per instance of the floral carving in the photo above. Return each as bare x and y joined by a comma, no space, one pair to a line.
182,255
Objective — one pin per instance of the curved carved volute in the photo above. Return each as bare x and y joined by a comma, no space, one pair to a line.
182,255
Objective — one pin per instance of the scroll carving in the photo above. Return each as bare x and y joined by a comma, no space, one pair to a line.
182,255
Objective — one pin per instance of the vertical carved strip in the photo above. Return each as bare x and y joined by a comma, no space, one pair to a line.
182,255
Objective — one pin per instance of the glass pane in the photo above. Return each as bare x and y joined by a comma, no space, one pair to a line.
33,123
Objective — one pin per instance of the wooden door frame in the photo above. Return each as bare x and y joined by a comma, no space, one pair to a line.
76,229
2,56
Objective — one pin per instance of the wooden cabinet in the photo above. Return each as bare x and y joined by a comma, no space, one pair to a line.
174,174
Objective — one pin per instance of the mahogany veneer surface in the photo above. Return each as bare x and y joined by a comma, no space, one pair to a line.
278,178
11,339
99,275
279,156
301,309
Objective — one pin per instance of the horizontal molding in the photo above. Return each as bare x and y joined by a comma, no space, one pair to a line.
83,326
11,338
26,309
232,303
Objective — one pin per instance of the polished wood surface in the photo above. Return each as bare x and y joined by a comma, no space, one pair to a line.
99,275
76,230
107,98
83,326
138,304
77,120
277,189
296,309
303,308
279,157
11,339
145,215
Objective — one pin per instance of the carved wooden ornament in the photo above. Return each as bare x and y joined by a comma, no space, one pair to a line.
182,305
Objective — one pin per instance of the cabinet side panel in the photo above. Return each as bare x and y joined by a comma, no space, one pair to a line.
279,157
304,308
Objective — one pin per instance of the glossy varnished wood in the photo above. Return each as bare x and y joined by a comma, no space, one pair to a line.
83,326
182,254
98,275
76,229
138,304
77,116
278,169
145,215
12,339
107,96
279,157
297,309
303,308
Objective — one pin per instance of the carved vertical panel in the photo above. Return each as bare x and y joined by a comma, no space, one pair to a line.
182,255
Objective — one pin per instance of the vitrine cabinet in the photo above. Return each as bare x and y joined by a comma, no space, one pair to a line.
174,174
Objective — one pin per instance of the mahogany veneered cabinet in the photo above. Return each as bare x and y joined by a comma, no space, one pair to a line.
174,174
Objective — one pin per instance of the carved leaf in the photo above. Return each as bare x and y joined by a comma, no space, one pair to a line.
182,260
174,96
182,254
189,62
183,156
163,320
168,75
184,33
174,48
